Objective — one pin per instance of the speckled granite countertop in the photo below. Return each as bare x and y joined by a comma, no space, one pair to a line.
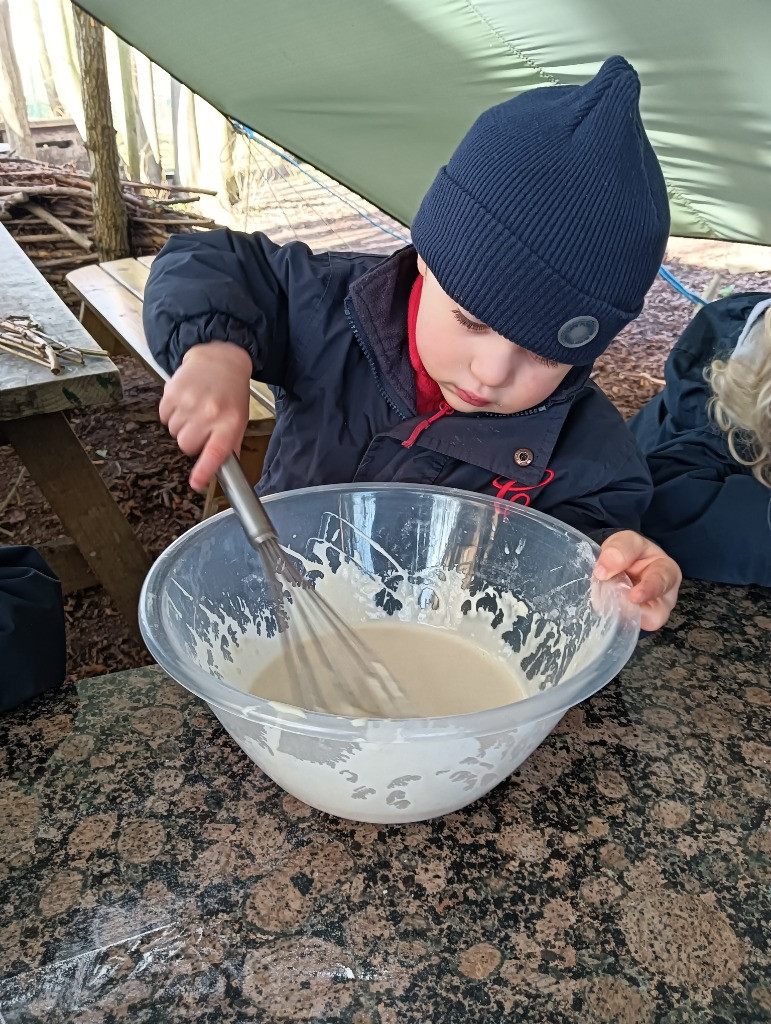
149,872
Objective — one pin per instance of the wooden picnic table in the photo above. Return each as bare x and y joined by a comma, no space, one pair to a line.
33,403
112,295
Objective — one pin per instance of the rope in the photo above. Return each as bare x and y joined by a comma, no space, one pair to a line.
679,287
669,277
242,128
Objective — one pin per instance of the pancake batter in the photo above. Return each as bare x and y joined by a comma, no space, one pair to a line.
439,672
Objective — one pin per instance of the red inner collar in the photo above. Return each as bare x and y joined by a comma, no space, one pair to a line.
429,394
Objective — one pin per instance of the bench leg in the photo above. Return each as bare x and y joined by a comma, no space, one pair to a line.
59,465
100,332
214,501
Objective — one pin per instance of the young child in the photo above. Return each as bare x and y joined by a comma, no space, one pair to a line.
463,361
708,441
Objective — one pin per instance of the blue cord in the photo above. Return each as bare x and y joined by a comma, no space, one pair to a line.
285,156
668,277
672,280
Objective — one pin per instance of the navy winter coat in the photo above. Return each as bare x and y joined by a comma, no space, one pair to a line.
328,332
708,511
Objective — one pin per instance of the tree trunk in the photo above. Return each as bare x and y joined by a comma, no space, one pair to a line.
175,91
149,167
68,20
56,105
110,218
216,159
13,105
229,181
140,158
146,100
129,107
189,169
64,65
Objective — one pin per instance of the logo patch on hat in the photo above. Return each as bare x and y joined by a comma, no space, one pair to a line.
578,332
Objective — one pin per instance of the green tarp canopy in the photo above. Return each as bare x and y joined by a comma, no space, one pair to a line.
378,92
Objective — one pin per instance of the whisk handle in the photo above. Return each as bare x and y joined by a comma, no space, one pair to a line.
245,502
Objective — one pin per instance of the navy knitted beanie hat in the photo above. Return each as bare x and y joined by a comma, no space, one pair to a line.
550,221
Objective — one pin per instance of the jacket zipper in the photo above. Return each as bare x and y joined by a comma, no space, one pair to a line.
444,410
371,360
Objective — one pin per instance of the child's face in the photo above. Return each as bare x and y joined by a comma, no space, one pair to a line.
476,368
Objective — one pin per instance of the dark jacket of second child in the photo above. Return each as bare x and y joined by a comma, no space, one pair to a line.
708,511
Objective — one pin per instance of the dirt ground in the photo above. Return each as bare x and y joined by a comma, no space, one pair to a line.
148,475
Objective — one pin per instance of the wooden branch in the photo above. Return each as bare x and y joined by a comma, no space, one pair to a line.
54,239
640,373
60,261
6,345
201,223
169,188
49,190
43,171
61,227
31,192
26,160
12,199
172,202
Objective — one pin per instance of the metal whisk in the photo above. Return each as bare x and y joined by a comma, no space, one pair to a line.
338,654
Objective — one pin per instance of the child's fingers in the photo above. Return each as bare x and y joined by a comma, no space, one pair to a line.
655,576
166,408
653,616
175,422
618,553
656,582
656,593
169,402
191,436
214,453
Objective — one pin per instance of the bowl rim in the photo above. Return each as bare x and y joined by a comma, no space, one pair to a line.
527,711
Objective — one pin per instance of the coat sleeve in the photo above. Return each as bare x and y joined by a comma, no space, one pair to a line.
710,515
231,286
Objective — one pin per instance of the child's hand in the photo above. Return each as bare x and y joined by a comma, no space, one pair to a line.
206,406
656,577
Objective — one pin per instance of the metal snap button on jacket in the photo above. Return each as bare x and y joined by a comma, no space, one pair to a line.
523,456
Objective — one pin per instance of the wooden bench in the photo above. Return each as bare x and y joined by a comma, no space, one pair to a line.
33,402
111,296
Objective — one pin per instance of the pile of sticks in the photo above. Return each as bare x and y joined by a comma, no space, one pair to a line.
49,211
22,336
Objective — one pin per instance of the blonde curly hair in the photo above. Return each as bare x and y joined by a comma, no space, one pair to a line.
741,404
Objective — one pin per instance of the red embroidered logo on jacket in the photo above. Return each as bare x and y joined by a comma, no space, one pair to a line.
518,492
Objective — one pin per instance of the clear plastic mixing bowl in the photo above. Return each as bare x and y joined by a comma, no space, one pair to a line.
514,580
